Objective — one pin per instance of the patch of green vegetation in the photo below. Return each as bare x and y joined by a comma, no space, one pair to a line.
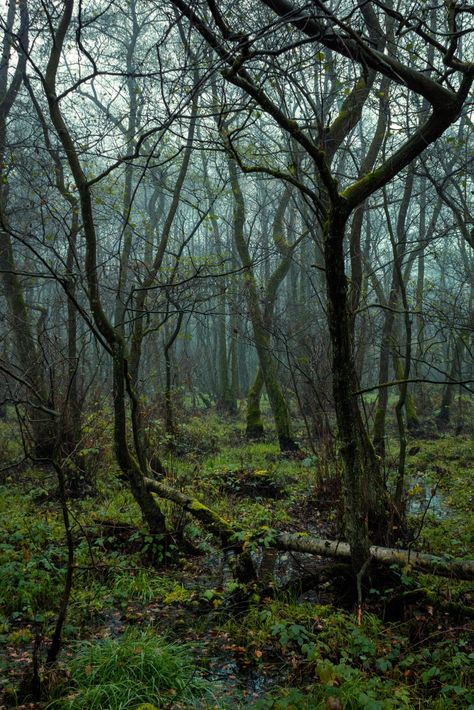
371,665
146,586
31,556
11,449
139,668
195,436
239,468
319,649
250,455
250,483
340,687
443,468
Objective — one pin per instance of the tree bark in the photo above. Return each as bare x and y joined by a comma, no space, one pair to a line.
279,407
420,561
364,492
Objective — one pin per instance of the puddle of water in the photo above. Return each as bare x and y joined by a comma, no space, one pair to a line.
423,497
239,683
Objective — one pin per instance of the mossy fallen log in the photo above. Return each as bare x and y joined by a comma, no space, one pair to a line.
211,520
239,560
227,533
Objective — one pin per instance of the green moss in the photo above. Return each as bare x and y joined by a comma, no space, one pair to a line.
196,505
379,424
254,424
445,466
362,185
213,520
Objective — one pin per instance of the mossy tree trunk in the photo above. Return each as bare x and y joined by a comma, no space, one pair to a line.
410,403
235,384
279,407
254,428
364,491
133,467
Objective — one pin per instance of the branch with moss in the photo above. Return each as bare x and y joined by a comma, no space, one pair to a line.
229,533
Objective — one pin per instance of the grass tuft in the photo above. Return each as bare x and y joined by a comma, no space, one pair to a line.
136,669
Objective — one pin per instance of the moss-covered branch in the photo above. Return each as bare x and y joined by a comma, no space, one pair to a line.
210,520
227,532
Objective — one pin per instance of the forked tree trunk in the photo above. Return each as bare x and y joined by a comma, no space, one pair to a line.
254,428
279,407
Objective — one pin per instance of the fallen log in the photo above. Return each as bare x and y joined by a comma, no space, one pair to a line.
228,534
212,521
423,562
238,559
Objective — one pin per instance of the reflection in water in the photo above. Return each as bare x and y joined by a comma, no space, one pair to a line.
424,497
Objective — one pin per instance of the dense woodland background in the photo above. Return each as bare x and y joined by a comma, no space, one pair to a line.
237,313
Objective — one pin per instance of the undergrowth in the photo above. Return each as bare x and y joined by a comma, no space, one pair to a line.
417,652
124,673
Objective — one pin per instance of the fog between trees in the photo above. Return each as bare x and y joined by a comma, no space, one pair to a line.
203,203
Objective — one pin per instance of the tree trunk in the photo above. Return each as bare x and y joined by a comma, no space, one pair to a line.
169,416
279,407
225,400
254,428
364,490
131,467
420,561
444,414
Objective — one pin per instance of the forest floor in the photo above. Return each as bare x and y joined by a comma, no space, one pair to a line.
180,633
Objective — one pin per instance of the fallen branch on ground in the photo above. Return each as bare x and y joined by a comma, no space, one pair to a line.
421,561
238,559
226,532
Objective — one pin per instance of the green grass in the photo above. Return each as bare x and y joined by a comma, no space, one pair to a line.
138,668
146,586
